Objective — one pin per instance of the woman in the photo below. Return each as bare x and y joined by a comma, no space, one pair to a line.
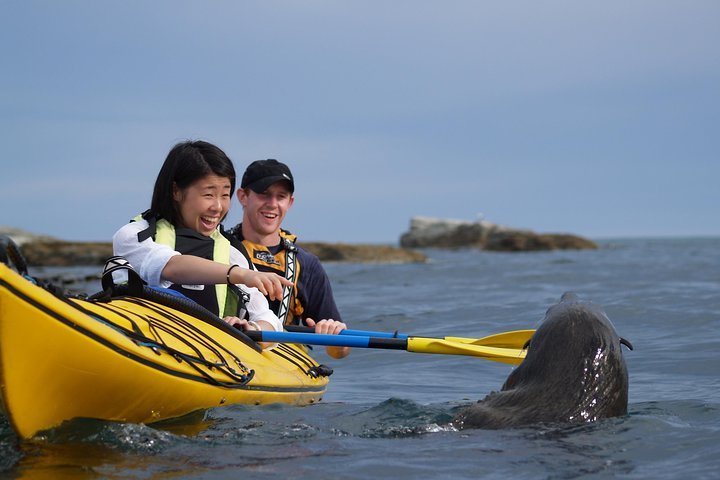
179,243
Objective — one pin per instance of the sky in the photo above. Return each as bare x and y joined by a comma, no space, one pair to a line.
600,119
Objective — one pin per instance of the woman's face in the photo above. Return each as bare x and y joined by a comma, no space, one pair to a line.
204,204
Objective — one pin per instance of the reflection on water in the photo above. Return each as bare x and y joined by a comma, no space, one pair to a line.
85,448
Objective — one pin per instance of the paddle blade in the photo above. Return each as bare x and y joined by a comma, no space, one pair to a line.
514,339
512,356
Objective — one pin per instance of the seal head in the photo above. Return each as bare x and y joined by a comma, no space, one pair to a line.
574,372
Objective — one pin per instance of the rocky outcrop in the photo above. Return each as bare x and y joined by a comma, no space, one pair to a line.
44,250
21,237
57,253
426,232
446,233
47,251
358,253
523,241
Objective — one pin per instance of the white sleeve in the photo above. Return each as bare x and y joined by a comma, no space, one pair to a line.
147,257
257,307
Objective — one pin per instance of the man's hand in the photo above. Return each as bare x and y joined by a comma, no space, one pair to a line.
330,327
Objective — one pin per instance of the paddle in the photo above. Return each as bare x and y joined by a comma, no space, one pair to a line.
512,356
514,339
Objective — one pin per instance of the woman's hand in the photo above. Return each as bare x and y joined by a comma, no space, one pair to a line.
269,284
246,325
241,323
330,327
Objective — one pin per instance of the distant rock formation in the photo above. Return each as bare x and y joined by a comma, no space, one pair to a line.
362,253
426,232
21,237
41,250
59,253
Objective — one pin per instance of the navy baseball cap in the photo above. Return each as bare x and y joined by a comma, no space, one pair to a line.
260,174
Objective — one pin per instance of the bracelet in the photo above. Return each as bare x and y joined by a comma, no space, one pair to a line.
254,325
227,277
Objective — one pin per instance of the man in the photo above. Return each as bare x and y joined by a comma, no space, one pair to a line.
266,195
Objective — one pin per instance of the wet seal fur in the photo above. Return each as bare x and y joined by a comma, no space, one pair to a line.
574,372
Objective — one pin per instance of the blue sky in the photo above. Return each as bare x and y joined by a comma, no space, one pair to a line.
595,118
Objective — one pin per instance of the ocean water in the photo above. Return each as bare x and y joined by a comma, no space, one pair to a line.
386,413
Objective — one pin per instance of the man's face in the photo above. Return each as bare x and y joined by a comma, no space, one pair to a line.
264,212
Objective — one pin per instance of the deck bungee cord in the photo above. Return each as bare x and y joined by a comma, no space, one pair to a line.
303,362
166,326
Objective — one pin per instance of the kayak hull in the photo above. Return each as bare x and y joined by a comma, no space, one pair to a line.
131,359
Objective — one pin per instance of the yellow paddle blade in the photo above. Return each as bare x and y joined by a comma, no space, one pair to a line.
514,339
513,356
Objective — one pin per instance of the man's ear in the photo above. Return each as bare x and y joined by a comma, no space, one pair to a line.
241,196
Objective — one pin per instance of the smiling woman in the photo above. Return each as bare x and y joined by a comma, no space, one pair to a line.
204,204
179,242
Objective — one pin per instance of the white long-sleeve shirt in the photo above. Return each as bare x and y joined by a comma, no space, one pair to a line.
149,259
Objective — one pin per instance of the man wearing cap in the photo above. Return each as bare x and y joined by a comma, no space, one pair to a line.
266,195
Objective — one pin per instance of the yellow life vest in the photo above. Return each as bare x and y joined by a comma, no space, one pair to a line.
223,301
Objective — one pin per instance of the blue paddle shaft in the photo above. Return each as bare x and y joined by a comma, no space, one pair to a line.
348,331
354,341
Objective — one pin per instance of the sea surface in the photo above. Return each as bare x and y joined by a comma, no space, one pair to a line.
386,413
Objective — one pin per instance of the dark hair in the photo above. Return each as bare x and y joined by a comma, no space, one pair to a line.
185,163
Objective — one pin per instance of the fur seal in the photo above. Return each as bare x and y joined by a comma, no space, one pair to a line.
574,372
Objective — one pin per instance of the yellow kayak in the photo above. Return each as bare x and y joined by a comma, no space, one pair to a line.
138,358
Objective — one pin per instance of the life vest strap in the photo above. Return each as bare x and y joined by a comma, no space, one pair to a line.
290,256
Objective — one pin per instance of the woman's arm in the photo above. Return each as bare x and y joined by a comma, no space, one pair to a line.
147,258
189,269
